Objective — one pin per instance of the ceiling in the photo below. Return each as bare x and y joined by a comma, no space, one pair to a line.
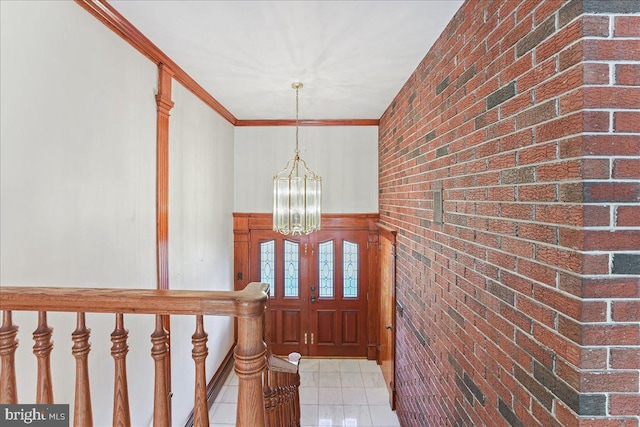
353,57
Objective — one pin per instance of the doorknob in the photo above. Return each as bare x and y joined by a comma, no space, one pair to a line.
313,298
388,326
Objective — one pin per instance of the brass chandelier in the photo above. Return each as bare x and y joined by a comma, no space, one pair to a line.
297,192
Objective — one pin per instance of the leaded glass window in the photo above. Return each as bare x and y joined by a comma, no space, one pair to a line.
291,268
267,264
325,268
350,270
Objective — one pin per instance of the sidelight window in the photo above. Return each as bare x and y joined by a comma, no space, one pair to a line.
350,270
267,264
291,268
325,269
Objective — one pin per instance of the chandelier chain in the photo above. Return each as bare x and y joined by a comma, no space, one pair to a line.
297,109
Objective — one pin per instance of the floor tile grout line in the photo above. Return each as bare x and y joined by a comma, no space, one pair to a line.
374,382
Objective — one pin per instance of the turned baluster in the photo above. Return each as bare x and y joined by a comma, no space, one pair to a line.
282,415
42,349
8,346
82,412
119,349
250,362
269,400
276,398
159,350
289,405
199,354
296,399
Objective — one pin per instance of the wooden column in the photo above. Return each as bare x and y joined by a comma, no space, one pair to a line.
82,412
164,105
42,349
8,346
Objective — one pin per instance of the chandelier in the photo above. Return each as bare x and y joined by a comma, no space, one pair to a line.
297,193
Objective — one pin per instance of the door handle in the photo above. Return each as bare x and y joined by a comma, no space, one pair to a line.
311,338
313,298
388,326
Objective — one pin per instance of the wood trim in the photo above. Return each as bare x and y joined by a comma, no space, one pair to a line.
117,23
320,122
388,233
241,250
110,17
245,222
249,302
373,315
215,384
164,104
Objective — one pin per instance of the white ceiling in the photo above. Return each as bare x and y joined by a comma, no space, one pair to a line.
353,57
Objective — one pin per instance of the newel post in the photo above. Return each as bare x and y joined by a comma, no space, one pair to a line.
250,362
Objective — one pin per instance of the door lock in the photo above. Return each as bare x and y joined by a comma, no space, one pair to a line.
388,326
313,288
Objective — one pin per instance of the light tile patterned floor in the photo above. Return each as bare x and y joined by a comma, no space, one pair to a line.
333,392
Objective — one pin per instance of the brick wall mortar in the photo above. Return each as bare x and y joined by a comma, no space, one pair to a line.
518,117
615,393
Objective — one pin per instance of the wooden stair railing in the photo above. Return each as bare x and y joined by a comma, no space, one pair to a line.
248,306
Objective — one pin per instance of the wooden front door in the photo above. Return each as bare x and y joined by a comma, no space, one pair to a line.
319,286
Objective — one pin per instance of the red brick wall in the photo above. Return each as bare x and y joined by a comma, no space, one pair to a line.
522,307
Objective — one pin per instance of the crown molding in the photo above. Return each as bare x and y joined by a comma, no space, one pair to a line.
110,17
329,122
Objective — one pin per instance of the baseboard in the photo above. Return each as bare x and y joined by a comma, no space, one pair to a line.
215,384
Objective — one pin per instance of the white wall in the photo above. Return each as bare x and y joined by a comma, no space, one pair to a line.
200,232
345,157
77,185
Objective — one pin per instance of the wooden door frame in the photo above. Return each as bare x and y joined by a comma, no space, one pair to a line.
244,223
388,235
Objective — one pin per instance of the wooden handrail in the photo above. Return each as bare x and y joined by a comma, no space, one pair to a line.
248,306
246,303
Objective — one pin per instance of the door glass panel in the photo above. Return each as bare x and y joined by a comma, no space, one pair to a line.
291,267
325,269
267,264
350,270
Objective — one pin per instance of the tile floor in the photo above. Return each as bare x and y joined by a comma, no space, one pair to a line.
333,392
